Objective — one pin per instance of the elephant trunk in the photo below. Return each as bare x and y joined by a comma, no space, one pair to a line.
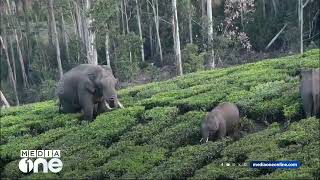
204,133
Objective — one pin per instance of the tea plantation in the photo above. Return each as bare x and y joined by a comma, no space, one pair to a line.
157,135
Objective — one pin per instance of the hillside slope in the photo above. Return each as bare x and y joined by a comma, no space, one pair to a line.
157,135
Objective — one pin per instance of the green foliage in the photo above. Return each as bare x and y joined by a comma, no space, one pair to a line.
124,67
192,60
156,135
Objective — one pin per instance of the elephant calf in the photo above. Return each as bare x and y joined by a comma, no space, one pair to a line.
223,120
310,92
88,88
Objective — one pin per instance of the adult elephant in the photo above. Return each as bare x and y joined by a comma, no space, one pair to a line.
90,88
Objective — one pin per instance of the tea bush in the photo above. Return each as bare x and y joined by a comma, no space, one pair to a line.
156,135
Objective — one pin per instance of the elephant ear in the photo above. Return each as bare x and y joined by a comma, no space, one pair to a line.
90,84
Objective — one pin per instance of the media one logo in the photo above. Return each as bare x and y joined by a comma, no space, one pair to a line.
49,159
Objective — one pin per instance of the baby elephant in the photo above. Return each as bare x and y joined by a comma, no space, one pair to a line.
223,120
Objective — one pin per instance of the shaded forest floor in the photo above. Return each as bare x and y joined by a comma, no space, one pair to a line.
157,135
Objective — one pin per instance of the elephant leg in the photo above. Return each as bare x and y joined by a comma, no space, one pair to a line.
67,107
222,132
307,104
316,105
87,105
101,107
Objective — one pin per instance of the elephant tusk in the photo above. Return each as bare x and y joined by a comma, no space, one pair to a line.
107,105
120,105
207,139
201,139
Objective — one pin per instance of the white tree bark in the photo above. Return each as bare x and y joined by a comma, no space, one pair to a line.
13,60
190,20
275,37
176,37
11,76
64,35
56,39
91,36
140,30
23,71
150,30
78,19
155,9
4,100
210,33
275,9
127,26
301,7
107,44
122,17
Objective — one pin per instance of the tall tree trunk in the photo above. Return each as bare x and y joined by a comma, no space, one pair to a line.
275,9
64,36
56,39
42,54
91,37
264,9
127,26
301,7
50,28
78,20
107,44
23,71
140,31
210,33
203,15
155,9
150,31
11,77
74,22
28,45
13,60
190,20
176,37
122,17
4,100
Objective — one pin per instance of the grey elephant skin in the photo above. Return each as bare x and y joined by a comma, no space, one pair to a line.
88,88
310,92
223,120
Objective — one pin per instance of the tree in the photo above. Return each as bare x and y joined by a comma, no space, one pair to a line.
91,37
125,5
210,33
190,20
150,30
3,100
107,46
140,30
300,13
64,35
55,36
11,76
15,26
176,37
155,10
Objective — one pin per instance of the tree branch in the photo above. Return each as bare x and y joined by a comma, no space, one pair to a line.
275,37
305,3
